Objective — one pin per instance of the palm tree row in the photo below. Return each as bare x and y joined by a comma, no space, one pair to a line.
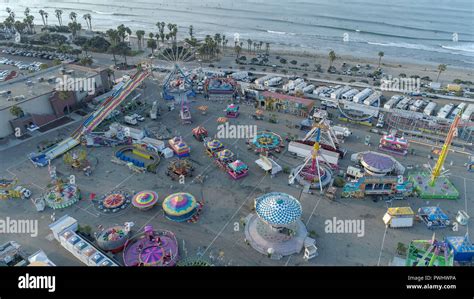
25,26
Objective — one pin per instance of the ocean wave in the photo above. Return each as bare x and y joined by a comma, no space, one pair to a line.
280,32
465,48
438,49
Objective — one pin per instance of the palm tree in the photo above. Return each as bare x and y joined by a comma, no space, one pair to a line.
191,31
114,37
260,44
441,68
380,57
267,48
140,34
46,18
59,15
123,31
237,50
75,27
151,43
73,16
249,45
332,57
29,20
42,13
87,17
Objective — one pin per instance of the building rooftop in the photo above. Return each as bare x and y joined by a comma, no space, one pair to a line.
284,97
26,88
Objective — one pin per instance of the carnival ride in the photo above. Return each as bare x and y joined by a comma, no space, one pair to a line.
61,194
462,248
267,141
145,200
394,145
113,239
376,185
179,168
225,159
315,175
10,190
136,157
114,202
433,217
436,185
200,133
218,88
194,262
179,147
178,87
429,253
276,229
92,121
232,111
181,207
378,164
78,161
151,248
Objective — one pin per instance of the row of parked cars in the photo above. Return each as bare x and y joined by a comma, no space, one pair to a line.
41,54
4,75
34,66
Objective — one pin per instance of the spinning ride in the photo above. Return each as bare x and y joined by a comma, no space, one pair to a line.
180,167
61,194
145,200
267,141
114,202
181,206
151,248
113,239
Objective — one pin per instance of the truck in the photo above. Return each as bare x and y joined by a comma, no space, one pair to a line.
354,172
341,132
398,217
130,120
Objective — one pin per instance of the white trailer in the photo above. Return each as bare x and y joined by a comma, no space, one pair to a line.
456,110
392,102
341,132
348,95
403,104
467,114
336,94
444,112
300,86
361,96
309,88
429,109
373,99
305,150
399,217
273,81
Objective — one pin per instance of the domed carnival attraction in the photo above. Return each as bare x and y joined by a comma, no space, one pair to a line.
377,164
151,248
145,200
113,239
276,228
180,207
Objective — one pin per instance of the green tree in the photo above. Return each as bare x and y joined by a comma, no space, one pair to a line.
332,58
16,111
441,68
59,16
140,34
88,19
42,14
380,54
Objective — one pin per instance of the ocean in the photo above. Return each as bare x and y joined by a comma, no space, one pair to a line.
421,31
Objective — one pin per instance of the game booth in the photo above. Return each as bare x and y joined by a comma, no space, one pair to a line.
394,145
181,207
214,146
179,147
237,169
151,248
232,111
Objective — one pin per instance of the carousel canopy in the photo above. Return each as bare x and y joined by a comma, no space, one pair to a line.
225,154
145,199
277,208
378,161
214,144
199,130
179,204
238,165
